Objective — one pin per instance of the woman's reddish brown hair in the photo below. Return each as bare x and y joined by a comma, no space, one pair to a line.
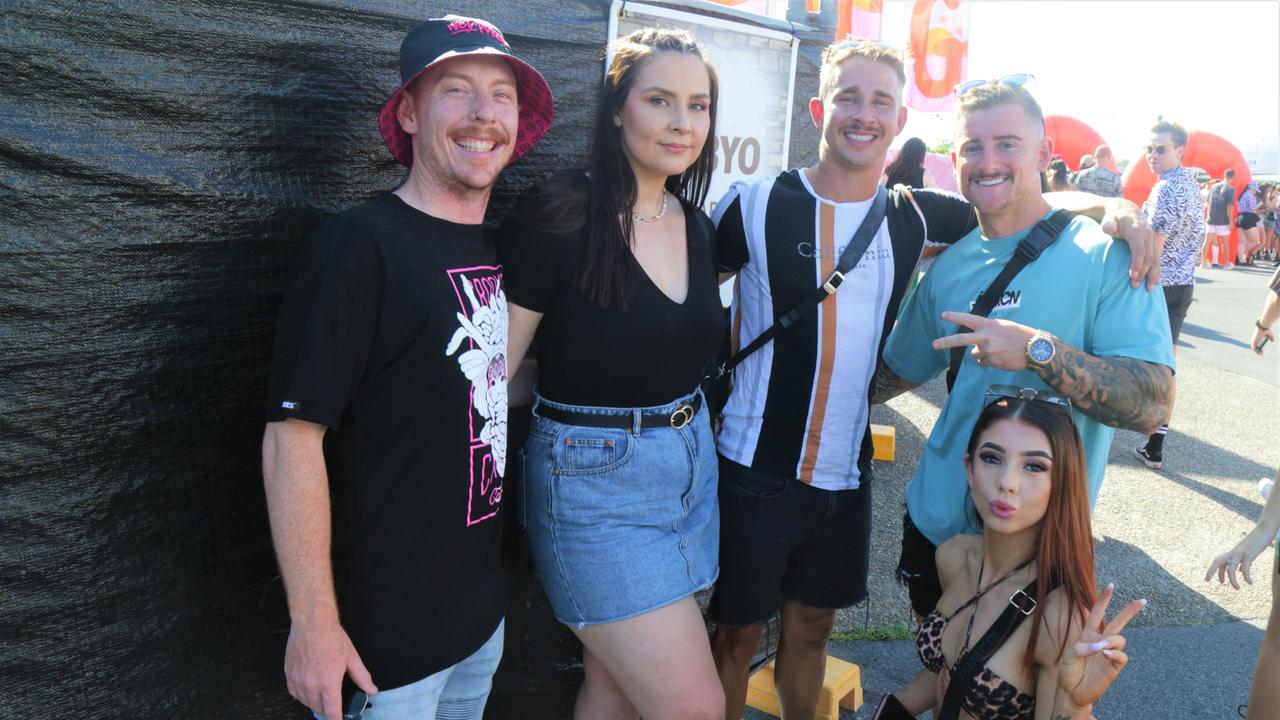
1064,546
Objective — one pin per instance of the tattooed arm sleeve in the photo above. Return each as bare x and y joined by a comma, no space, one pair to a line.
888,385
1117,391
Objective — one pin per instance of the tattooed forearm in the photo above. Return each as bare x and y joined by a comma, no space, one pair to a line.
1116,391
887,385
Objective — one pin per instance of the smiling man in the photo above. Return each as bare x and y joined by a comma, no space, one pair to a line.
385,443
1069,321
795,447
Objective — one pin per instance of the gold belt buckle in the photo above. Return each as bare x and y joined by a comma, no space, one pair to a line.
681,416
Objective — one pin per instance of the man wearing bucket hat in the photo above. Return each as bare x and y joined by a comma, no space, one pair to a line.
385,445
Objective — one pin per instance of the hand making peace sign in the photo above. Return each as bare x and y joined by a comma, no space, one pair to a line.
996,343
1092,660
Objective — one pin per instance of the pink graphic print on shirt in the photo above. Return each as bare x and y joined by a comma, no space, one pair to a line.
482,337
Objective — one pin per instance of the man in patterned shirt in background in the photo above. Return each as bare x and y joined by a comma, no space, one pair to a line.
1100,179
1175,210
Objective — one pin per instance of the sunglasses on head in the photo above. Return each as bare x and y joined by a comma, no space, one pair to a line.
1015,80
1013,392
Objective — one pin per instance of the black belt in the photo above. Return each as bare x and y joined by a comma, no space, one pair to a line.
677,419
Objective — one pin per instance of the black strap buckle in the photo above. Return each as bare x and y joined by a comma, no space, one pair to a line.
1028,251
1023,602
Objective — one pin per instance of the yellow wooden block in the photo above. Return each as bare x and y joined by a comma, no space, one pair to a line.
883,438
841,688
853,700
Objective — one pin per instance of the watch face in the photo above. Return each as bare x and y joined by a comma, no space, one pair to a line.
1041,350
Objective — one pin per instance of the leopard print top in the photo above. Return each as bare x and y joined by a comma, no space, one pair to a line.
990,697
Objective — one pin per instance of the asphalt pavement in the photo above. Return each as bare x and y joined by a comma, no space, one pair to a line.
1192,650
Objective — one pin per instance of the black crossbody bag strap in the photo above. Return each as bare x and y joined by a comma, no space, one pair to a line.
1041,236
853,253
965,674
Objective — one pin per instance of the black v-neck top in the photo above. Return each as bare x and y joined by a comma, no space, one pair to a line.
651,353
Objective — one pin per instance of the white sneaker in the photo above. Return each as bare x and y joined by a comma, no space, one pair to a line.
1264,486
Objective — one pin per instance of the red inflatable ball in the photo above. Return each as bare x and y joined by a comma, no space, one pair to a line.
1072,138
1209,152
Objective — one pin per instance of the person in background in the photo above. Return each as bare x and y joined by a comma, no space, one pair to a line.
1058,176
1175,209
1086,162
908,168
1270,313
385,446
1264,697
1101,179
1249,222
1218,225
612,268
1267,211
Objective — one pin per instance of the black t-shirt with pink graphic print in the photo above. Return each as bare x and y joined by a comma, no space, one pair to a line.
393,335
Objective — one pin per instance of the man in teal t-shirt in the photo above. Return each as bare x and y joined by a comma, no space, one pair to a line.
1068,322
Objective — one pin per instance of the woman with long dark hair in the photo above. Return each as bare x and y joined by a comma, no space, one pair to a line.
1059,176
908,168
1033,560
612,269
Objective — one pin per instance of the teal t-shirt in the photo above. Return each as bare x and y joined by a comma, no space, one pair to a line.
1078,290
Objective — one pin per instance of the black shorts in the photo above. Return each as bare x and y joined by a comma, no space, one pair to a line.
781,539
918,568
1246,220
1178,300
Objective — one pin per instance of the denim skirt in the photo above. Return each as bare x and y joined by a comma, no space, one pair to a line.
621,521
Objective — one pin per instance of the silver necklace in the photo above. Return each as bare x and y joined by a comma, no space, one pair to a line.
635,216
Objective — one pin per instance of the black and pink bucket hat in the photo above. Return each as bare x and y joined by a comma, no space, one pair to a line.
440,39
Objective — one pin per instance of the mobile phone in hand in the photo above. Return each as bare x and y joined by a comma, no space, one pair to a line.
1261,343
356,705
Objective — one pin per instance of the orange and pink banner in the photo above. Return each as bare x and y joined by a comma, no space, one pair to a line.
939,54
859,18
